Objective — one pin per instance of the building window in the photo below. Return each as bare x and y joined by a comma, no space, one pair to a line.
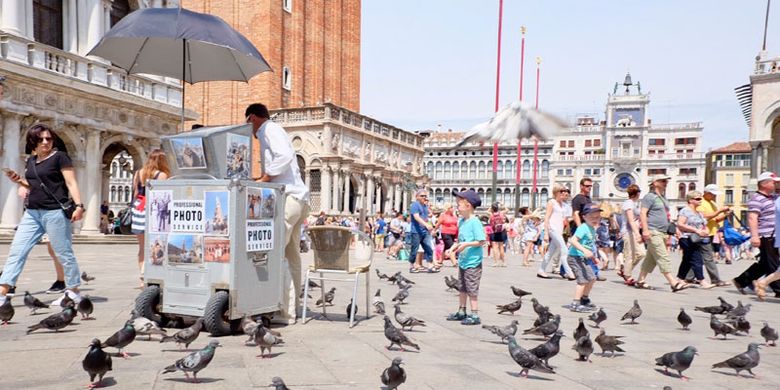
119,9
656,171
47,22
481,170
596,171
286,78
597,142
571,143
692,187
472,170
687,171
287,5
438,172
729,197
447,170
588,143
545,169
596,189
745,197
563,143
729,179
681,191
543,197
657,142
684,141
588,172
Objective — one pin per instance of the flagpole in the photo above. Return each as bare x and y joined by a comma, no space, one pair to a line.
535,190
519,141
498,84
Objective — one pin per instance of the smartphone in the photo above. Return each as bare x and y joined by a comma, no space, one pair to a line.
8,170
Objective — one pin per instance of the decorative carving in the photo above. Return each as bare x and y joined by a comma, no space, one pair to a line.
50,100
334,144
367,152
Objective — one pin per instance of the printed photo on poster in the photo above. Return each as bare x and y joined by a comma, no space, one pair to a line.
268,204
189,152
159,203
238,147
216,249
188,216
185,249
253,198
158,249
217,205
259,235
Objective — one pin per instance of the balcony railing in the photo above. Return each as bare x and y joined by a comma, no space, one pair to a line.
581,157
678,156
47,58
676,126
731,164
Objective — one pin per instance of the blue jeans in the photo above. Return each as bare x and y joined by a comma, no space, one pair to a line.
426,240
33,225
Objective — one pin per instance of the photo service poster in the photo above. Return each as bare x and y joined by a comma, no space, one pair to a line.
185,249
187,216
238,147
159,212
259,235
217,211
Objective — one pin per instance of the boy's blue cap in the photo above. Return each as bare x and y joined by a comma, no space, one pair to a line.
471,196
590,209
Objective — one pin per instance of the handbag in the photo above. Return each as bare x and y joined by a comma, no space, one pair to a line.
671,229
68,207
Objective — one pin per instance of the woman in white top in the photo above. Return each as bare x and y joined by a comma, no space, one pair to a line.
634,247
553,233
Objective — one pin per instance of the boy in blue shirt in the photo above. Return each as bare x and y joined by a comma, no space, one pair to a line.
583,245
468,249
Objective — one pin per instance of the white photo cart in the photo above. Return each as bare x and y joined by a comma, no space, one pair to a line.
214,238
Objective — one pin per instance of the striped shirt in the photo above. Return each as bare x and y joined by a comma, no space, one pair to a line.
764,206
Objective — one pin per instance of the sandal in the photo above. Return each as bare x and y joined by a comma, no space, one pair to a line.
644,286
722,284
629,282
543,276
760,291
680,286
414,270
432,270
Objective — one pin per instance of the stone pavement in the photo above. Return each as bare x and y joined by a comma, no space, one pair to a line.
326,354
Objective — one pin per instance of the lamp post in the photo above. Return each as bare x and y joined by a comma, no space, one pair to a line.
535,191
519,142
498,83
409,185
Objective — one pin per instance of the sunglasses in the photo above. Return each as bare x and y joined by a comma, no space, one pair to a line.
45,139
588,186
699,199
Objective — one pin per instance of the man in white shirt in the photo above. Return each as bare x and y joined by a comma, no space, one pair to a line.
280,165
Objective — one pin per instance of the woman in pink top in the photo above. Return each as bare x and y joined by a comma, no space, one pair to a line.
448,227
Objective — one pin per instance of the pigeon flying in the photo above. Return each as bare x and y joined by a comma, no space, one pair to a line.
122,338
633,313
194,362
526,359
55,321
503,331
6,310
745,361
511,307
684,319
328,297
265,340
185,336
519,292
85,307
96,363
405,320
393,376
514,122
678,361
33,303
397,337
86,278
609,343
769,334
598,317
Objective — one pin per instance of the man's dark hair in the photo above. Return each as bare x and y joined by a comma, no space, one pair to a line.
522,210
196,126
585,180
258,109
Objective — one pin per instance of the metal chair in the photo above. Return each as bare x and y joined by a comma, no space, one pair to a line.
331,248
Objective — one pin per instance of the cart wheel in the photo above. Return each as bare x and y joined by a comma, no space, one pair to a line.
146,304
214,317
266,322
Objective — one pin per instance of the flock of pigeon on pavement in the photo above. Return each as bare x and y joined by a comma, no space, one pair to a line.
97,362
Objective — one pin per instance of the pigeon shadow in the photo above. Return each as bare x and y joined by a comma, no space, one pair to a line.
395,349
108,382
734,374
535,338
493,342
669,374
536,377
270,355
594,326
88,319
119,355
200,380
605,355
630,323
180,350
719,338
95,299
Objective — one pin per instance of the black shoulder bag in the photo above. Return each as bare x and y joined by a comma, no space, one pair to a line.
68,207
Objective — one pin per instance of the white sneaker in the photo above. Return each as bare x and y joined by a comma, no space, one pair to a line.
72,295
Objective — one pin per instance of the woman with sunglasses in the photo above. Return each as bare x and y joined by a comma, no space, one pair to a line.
693,226
51,179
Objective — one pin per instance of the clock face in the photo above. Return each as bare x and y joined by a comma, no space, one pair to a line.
623,180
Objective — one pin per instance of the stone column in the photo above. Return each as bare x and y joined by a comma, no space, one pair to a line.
398,194
347,183
378,196
91,188
14,17
307,178
336,190
90,24
370,194
11,158
326,191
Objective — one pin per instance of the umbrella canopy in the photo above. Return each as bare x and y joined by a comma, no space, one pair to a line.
182,44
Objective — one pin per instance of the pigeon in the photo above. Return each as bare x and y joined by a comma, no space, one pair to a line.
538,308
547,329
581,330
720,328
403,284
401,278
725,305
452,283
85,307
349,308
405,320
122,338
194,362
146,327
393,376
769,334
598,317
392,279
66,301
549,348
33,303
397,337
745,361
185,336
526,359
96,363
510,307
381,275
609,343
378,303
248,325
684,319
717,309
678,361
740,324
401,295
503,331
513,122
328,297
278,384
86,278
633,313
266,339
739,311
313,284
55,321
544,317
519,292
303,291
6,310
584,347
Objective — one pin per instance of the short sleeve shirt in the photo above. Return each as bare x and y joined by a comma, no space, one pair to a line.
657,211
470,230
693,219
50,174
777,222
419,208
579,202
380,226
764,206
586,236
708,207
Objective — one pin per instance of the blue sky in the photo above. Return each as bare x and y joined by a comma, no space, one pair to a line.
434,61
